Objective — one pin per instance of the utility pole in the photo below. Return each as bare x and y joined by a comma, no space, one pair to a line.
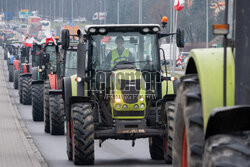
62,9
140,11
171,31
118,11
100,10
105,9
206,23
50,14
54,9
72,10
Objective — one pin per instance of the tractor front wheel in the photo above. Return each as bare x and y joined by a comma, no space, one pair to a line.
156,147
15,79
227,150
37,102
56,110
188,140
10,73
46,107
26,90
82,134
20,89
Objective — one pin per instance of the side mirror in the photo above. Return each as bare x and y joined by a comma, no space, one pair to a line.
65,39
180,38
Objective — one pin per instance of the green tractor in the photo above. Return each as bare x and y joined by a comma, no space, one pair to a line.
118,93
65,68
211,119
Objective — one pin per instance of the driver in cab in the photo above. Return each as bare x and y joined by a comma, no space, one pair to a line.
119,54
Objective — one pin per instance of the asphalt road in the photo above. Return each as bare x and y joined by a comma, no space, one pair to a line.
112,152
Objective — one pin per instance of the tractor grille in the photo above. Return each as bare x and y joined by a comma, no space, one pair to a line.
128,113
130,90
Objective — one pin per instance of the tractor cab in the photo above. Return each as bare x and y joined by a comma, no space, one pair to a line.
70,59
25,59
36,50
51,51
124,62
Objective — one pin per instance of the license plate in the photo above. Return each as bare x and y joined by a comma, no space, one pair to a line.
131,131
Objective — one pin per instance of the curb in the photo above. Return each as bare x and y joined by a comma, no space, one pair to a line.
30,146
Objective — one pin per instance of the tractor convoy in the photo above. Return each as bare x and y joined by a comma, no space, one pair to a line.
108,82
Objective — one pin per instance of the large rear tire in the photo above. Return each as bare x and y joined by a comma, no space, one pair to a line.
82,134
188,141
46,107
56,109
227,150
10,73
20,88
26,90
15,79
69,141
5,54
37,102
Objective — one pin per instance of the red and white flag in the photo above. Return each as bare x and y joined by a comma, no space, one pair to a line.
179,4
28,42
49,37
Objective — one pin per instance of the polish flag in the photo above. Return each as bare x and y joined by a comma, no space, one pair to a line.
179,4
29,42
50,37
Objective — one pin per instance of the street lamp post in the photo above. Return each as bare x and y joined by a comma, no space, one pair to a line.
54,9
118,12
72,10
105,9
62,9
206,23
140,11
100,10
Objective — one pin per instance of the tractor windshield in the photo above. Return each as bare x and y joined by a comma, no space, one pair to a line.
70,62
130,47
35,56
51,50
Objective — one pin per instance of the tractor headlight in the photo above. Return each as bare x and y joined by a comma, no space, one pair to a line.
40,70
92,30
102,30
142,106
118,106
156,29
136,106
118,100
125,106
142,99
145,30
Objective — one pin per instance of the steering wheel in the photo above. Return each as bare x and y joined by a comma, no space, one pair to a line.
120,58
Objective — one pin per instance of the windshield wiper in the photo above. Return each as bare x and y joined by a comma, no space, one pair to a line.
134,62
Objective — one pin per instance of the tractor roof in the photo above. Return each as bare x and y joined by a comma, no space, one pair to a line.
121,28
